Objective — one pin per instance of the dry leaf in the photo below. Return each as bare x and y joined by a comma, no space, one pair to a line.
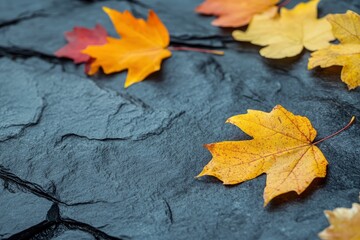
79,38
346,28
282,147
287,34
141,49
232,13
344,224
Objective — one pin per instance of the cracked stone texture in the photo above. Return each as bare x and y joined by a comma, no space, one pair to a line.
15,218
83,158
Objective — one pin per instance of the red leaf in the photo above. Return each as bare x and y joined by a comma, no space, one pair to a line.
79,39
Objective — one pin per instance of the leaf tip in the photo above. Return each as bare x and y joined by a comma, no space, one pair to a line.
229,120
152,13
310,65
278,106
127,84
106,9
352,120
200,8
208,146
57,53
202,173
266,202
218,52
199,175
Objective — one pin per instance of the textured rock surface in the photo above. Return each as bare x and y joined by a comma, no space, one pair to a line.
83,158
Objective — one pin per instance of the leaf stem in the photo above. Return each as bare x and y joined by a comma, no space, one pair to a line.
336,133
179,48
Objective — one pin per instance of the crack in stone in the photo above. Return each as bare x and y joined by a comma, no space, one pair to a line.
21,19
158,131
55,224
200,37
36,120
136,101
73,135
168,211
193,40
23,53
136,2
34,188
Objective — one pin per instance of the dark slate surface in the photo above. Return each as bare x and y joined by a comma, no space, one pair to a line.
83,158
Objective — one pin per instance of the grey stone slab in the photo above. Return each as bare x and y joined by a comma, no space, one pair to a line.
123,161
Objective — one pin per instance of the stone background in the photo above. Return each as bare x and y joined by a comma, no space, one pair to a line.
83,158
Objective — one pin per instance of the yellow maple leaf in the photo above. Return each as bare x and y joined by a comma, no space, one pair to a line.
282,147
346,28
141,49
344,224
287,34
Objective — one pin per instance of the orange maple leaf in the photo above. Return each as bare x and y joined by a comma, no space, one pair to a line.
235,13
282,147
345,224
141,49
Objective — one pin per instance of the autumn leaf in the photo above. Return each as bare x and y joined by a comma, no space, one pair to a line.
287,34
344,224
232,13
282,147
346,28
79,38
141,49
